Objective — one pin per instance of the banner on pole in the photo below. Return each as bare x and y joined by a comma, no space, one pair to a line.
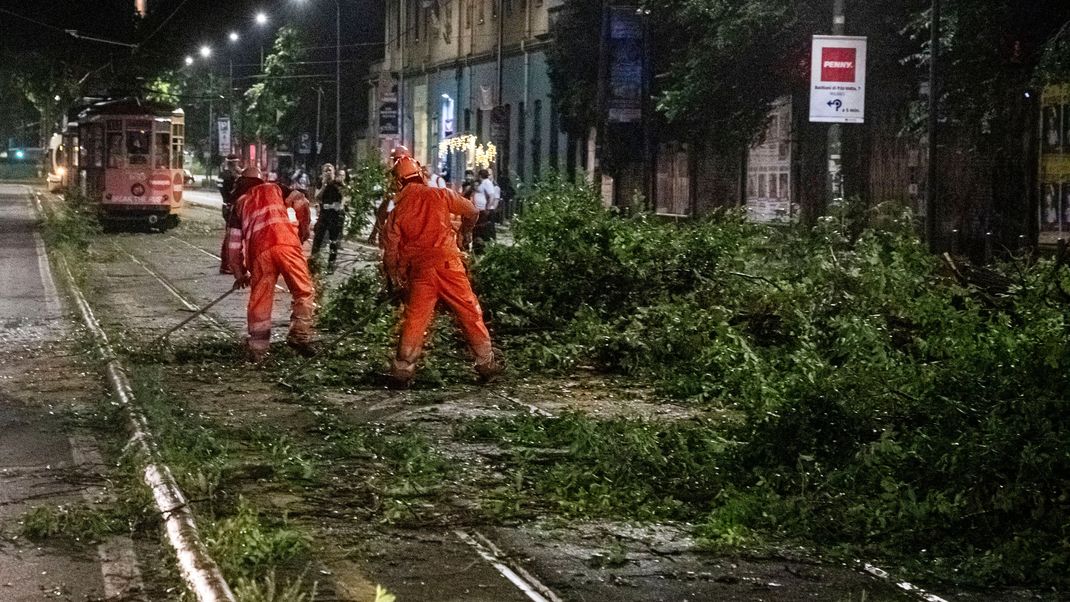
838,79
223,127
624,97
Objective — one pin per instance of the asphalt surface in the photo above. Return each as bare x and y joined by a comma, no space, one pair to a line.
40,463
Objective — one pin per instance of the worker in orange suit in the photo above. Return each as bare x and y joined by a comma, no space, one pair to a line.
424,264
262,244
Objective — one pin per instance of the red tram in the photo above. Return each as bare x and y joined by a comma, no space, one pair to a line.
129,159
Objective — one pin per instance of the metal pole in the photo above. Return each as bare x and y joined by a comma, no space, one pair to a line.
319,110
230,97
337,83
211,122
931,233
835,135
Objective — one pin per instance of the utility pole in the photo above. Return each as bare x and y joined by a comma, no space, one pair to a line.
211,122
319,110
835,135
931,233
337,83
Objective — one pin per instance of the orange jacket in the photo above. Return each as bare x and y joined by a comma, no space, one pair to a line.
260,220
419,231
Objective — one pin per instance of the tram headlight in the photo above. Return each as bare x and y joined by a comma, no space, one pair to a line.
61,171
137,189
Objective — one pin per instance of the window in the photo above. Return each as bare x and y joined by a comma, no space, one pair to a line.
468,121
536,139
115,150
521,141
419,14
161,157
508,7
479,123
553,137
138,142
469,12
483,10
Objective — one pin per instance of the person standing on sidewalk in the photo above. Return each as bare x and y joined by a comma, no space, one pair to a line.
227,183
262,245
424,265
485,198
332,218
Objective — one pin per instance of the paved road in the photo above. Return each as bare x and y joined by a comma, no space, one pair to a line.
41,462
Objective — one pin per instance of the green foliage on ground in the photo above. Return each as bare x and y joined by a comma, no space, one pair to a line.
876,403
246,544
880,404
71,224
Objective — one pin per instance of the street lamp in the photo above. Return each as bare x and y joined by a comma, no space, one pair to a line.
206,51
189,60
261,19
233,37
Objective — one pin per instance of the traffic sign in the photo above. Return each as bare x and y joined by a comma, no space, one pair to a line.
838,79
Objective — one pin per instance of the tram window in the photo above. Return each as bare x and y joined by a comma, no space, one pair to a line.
115,125
137,146
95,144
176,154
115,150
162,155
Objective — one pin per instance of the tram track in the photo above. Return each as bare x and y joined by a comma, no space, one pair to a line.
483,548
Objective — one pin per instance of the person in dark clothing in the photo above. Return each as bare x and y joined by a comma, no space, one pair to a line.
227,184
332,218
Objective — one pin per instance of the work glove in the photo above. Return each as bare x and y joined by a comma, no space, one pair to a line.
242,279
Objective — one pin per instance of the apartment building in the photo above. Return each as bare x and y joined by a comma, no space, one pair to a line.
457,69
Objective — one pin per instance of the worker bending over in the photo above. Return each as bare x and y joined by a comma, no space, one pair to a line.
423,262
262,245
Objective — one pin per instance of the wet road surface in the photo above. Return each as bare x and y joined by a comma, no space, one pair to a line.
42,462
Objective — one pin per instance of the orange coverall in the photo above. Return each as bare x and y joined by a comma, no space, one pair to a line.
261,241
421,257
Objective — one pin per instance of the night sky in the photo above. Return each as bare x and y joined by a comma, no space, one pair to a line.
191,23
32,32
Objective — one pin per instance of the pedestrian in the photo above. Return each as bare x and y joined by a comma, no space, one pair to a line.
227,182
485,199
262,245
424,265
468,185
301,180
332,217
434,180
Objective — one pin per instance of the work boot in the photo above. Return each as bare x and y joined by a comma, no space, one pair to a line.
303,348
255,355
402,373
490,369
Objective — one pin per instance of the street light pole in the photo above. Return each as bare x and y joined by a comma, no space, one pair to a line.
337,83
931,232
835,134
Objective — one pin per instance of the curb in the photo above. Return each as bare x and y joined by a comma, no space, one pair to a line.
200,572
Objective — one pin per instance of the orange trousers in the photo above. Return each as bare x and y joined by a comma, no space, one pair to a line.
446,281
289,262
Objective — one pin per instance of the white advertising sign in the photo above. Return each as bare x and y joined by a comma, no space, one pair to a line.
838,79
224,135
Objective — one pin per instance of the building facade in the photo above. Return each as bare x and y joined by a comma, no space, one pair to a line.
464,83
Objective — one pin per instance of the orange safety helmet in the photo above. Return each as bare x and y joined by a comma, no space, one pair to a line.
406,168
399,152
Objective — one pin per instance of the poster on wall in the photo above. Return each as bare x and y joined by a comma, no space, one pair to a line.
1051,140
388,104
1054,206
769,191
624,97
